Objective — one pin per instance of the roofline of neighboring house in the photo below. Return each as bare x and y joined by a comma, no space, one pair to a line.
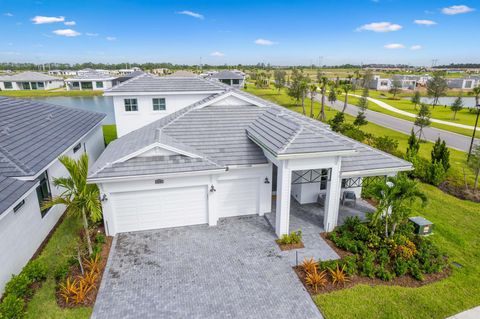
25,195
94,180
90,79
33,177
121,93
376,172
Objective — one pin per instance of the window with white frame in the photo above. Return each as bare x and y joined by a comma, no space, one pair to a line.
159,104
8,85
131,105
43,191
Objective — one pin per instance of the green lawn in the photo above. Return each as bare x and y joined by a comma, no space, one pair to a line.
49,93
109,133
56,252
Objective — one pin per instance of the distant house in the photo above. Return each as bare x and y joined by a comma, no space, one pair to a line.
380,84
89,79
32,136
129,76
464,83
182,74
128,71
30,81
62,72
230,78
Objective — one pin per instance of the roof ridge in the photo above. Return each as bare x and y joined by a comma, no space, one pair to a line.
291,139
145,74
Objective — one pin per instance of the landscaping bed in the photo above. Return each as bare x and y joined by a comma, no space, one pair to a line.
290,241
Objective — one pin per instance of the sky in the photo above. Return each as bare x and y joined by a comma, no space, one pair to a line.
241,32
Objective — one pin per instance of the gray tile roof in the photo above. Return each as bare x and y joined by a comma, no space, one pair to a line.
227,75
33,134
28,76
12,190
151,83
228,135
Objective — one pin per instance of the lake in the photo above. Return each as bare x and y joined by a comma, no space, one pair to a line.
468,101
102,104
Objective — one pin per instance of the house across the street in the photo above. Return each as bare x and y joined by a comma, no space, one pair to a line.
89,79
30,81
234,79
216,152
32,136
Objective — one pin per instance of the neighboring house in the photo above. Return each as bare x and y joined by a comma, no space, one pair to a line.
225,155
147,98
182,74
129,76
127,71
62,72
91,80
463,83
380,84
231,78
30,81
32,136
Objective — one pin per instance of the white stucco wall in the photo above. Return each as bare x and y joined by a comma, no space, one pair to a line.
129,121
48,85
107,84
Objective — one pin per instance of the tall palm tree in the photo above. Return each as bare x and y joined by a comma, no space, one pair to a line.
476,92
80,198
346,88
323,89
313,92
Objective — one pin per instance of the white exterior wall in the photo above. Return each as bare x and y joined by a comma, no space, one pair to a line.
22,233
48,85
130,121
107,84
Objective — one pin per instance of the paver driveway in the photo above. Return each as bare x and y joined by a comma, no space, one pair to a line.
233,270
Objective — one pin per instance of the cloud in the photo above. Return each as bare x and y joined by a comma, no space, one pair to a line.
69,23
457,9
192,14
394,46
111,38
264,42
380,27
8,14
90,34
217,54
67,33
44,20
416,47
425,22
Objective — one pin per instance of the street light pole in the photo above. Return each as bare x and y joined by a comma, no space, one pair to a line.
474,132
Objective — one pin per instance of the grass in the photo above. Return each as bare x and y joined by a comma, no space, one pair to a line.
109,133
62,243
49,93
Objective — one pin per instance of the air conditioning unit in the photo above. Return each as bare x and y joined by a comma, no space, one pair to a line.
423,226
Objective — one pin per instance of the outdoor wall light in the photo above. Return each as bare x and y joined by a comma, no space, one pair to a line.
266,181
103,198
212,189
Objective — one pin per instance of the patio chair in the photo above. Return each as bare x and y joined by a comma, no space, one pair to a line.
349,197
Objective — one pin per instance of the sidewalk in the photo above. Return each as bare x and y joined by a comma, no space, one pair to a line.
473,313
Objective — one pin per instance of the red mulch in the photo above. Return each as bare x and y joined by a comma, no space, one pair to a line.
289,246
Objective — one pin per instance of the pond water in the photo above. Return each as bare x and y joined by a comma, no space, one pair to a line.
102,104
468,101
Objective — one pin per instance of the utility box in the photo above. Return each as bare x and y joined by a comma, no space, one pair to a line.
423,226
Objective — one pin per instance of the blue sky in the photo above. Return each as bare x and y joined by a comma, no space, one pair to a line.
218,32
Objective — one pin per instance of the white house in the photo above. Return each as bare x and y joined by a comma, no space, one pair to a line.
467,83
380,84
231,78
147,98
225,155
30,81
89,79
32,136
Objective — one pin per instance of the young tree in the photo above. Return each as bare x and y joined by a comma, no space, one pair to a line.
476,92
423,119
436,87
416,99
457,105
332,95
396,87
313,92
79,197
361,119
367,78
303,88
323,89
395,200
294,90
474,164
413,145
279,76
337,121
441,154
363,101
346,88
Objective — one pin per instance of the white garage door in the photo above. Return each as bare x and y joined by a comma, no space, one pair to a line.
237,197
161,208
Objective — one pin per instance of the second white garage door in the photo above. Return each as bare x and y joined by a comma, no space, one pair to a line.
237,197
172,207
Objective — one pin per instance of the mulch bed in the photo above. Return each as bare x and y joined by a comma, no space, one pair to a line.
340,252
459,191
284,247
75,271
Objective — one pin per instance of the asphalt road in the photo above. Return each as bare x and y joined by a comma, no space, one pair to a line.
453,140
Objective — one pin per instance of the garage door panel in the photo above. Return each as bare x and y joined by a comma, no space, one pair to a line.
160,208
238,197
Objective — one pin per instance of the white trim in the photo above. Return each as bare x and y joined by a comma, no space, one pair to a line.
31,178
149,147
143,177
316,154
228,94
130,93
10,208
375,172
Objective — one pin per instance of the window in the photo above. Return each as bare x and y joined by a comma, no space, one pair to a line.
8,85
43,191
87,85
159,104
18,206
131,105
99,84
76,84
324,179
40,85
236,81
26,85
77,147
225,81
34,85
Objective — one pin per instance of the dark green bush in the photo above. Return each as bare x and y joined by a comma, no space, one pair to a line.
361,232
35,270
400,266
384,274
12,307
100,238
327,264
386,144
415,270
351,265
383,257
18,286
61,272
435,173
368,264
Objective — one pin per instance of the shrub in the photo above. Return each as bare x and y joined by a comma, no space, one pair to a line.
309,265
90,278
351,222
68,290
435,173
35,270
361,232
350,265
383,257
100,238
338,275
368,264
400,266
415,271
384,274
386,144
327,264
12,307
292,238
18,286
61,272
316,280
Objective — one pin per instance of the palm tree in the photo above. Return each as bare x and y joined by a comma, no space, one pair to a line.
346,88
80,198
313,92
476,93
395,200
323,89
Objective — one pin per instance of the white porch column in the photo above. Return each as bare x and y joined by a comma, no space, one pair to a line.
332,201
284,185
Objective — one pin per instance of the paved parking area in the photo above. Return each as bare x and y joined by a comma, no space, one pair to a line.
233,270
